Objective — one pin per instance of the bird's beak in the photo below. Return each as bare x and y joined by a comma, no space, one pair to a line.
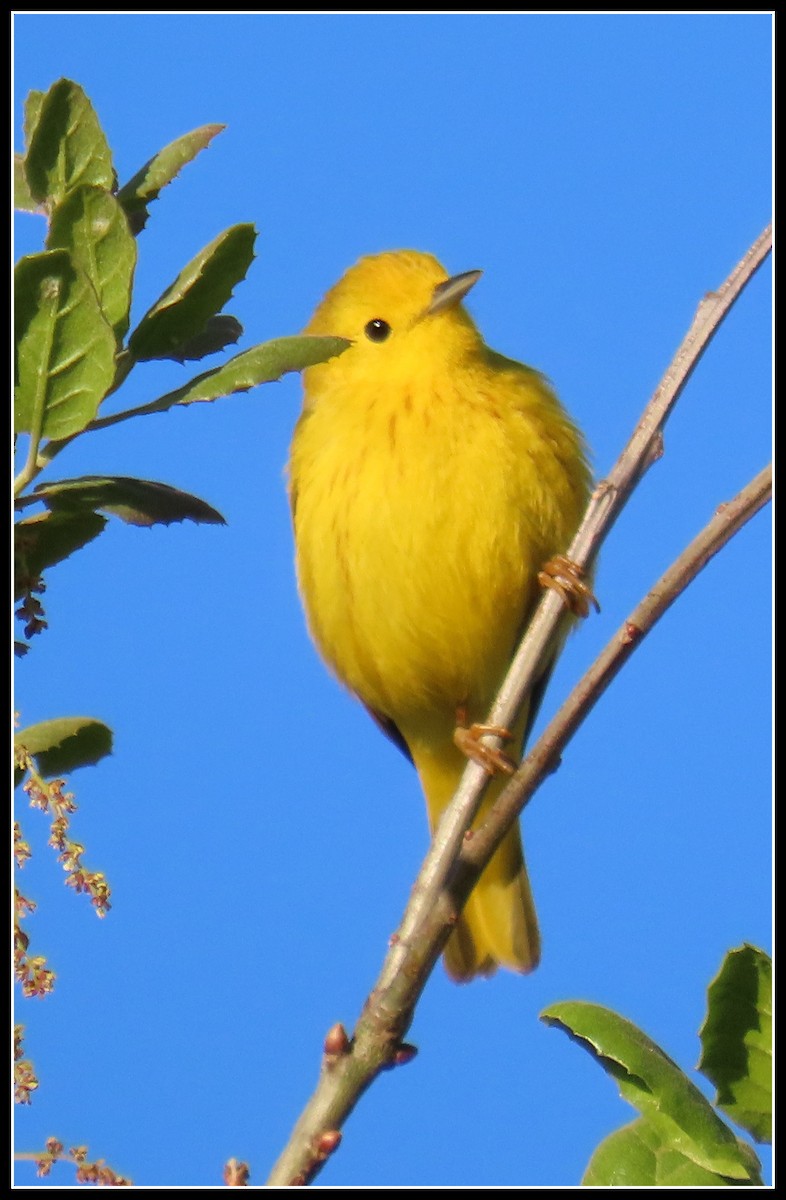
451,292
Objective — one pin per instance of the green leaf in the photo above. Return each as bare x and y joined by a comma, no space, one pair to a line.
638,1156
219,332
143,189
736,1040
49,538
260,364
67,145
61,745
200,291
650,1081
33,104
135,501
23,198
65,349
92,226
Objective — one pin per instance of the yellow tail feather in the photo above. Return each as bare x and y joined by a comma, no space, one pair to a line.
498,926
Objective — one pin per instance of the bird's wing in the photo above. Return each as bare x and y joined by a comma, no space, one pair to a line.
390,729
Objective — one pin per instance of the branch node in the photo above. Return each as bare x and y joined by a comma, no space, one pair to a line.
404,1054
655,449
604,487
326,1144
336,1044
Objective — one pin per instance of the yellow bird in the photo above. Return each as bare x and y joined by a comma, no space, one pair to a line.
430,480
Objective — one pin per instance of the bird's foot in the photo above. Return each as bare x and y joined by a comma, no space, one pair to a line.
565,577
467,738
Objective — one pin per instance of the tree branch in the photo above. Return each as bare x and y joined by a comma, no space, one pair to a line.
544,757
348,1068
606,503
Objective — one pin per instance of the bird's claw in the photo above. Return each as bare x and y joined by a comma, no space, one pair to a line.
565,577
467,738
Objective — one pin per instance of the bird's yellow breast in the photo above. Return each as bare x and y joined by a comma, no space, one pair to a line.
425,502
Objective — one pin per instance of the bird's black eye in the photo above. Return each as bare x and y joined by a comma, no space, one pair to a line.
377,330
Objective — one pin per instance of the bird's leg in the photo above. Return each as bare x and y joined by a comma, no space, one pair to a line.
565,577
467,738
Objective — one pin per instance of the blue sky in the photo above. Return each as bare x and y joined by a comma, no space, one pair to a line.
259,834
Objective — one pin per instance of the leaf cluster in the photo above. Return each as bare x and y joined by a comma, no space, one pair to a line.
74,349
74,342
679,1139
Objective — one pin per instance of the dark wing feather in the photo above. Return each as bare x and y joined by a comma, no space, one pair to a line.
390,729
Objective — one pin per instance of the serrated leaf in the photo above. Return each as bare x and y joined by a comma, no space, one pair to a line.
65,743
144,187
67,146
92,226
200,291
649,1080
135,501
736,1039
261,364
638,1156
23,198
48,538
64,347
219,332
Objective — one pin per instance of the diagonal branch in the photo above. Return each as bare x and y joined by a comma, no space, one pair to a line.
376,1044
606,503
348,1068
544,757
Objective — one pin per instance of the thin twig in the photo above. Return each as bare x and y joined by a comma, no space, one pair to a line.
544,757
433,908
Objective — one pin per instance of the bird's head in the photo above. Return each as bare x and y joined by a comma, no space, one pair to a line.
404,316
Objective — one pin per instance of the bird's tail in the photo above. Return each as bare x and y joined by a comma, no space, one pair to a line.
498,926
